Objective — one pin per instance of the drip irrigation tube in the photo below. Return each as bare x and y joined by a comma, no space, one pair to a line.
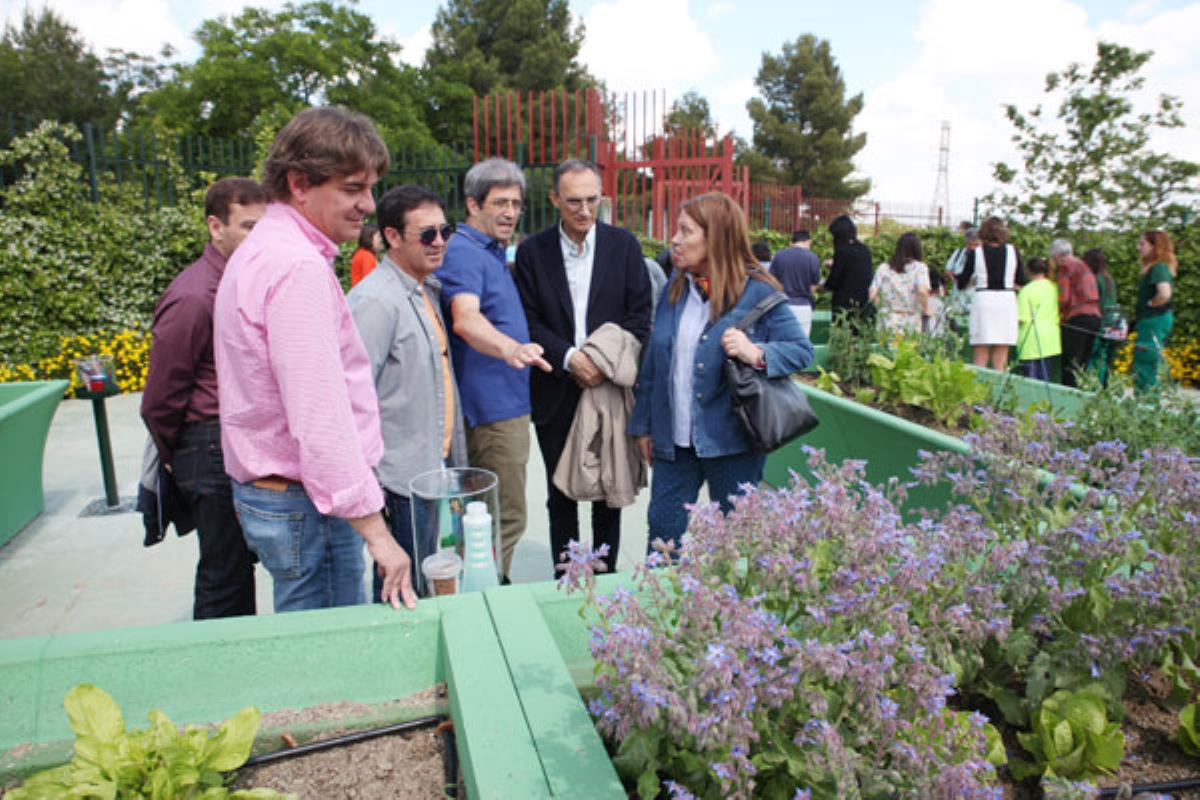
1153,788
449,752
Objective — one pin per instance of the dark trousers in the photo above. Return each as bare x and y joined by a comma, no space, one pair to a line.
1036,368
1078,339
563,511
225,572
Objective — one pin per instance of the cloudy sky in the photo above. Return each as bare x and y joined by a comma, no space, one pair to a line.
916,63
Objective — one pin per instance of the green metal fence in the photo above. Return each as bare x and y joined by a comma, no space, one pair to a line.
142,160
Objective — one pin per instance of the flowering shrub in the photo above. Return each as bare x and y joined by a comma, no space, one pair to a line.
1098,558
807,644
130,351
800,641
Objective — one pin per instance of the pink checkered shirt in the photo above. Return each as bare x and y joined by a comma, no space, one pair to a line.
296,394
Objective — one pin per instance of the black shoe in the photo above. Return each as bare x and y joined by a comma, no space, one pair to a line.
504,581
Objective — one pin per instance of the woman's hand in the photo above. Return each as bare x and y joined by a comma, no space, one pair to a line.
645,449
737,344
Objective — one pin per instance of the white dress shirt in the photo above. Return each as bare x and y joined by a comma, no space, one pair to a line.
578,262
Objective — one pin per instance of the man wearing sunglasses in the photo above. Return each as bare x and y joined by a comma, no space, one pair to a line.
397,311
574,277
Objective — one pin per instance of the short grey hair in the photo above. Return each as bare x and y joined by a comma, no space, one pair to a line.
971,234
490,173
574,165
1060,248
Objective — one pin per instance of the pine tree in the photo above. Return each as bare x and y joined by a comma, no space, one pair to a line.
802,122
483,46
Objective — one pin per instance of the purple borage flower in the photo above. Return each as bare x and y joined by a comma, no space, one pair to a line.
820,622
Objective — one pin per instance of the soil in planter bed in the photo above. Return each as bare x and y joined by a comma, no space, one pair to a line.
403,766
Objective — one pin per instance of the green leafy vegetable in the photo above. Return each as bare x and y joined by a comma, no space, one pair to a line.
1072,737
157,763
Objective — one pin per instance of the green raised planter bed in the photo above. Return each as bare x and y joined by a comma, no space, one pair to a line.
820,326
848,429
204,672
25,413
891,445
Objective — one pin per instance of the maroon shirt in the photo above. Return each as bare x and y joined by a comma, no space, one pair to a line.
181,382
1077,291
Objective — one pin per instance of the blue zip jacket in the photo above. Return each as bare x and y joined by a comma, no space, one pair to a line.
715,429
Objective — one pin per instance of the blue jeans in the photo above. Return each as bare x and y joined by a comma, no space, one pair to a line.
315,561
677,483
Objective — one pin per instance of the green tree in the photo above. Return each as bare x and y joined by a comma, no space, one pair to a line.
691,112
50,73
803,121
1094,164
304,54
482,46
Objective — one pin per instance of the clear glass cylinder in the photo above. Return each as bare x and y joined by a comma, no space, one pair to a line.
439,502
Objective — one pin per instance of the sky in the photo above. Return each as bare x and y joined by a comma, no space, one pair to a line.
917,64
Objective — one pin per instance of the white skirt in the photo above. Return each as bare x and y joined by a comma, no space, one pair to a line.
994,318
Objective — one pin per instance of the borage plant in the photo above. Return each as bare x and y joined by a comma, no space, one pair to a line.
1100,556
800,646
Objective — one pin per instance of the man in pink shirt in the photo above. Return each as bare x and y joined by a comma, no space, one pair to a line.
299,416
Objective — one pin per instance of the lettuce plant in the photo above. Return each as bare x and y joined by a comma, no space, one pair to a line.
157,763
944,386
1072,737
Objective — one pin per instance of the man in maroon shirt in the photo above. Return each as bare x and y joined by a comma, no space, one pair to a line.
1078,309
179,405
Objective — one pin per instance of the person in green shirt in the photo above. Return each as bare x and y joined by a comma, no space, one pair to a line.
1112,324
1039,338
1153,314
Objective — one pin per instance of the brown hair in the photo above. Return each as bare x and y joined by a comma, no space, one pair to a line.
1164,251
232,191
321,143
730,259
993,232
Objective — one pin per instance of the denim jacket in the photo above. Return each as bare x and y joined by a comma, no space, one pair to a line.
715,429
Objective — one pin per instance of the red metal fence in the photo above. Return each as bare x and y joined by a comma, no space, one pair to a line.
648,168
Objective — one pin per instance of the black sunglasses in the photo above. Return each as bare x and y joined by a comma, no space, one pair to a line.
427,236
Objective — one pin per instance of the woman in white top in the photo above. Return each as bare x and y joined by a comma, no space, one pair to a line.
900,288
995,272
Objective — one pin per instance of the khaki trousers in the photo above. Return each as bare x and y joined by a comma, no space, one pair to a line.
503,448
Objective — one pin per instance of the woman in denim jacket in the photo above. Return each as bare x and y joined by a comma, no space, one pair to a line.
683,417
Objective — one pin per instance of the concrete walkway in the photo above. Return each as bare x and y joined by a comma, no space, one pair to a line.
66,573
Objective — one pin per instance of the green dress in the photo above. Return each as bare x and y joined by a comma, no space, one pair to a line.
1153,326
1110,319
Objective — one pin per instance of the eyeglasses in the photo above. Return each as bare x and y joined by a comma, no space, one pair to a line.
502,203
428,236
577,203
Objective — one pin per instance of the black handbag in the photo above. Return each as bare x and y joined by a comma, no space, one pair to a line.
773,411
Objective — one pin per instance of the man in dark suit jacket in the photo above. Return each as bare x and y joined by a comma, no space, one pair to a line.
574,277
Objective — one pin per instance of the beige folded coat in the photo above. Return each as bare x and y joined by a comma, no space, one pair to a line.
600,460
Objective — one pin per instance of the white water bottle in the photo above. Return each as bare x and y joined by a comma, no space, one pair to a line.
479,564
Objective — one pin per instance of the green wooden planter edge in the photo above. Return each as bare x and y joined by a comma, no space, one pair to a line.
26,409
203,672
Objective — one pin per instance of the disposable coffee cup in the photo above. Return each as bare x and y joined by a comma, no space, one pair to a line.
441,572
